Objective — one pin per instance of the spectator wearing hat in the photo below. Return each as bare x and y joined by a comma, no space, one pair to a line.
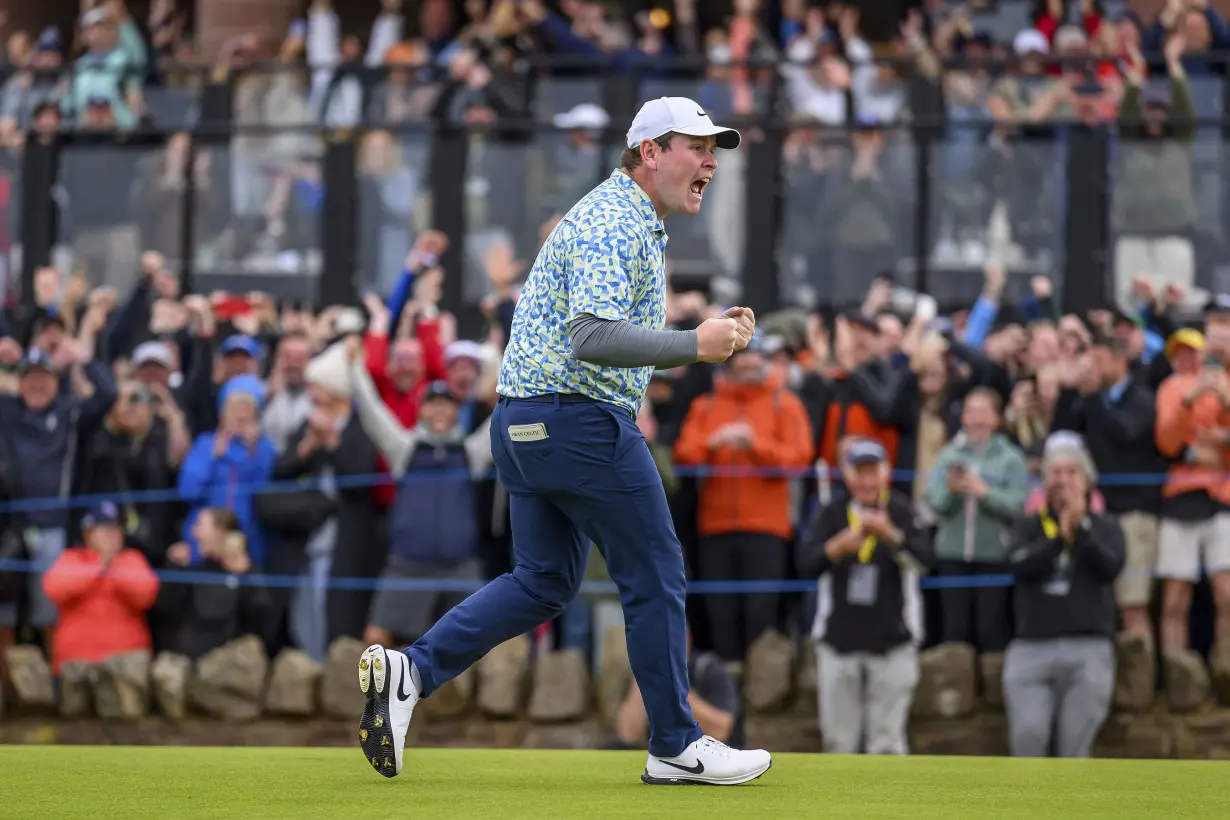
1059,670
102,590
334,527
977,489
836,394
1153,212
41,429
107,72
238,355
26,91
868,552
225,468
1191,431
749,422
575,164
433,524
463,368
1116,415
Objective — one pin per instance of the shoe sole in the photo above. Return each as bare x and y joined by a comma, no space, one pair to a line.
375,727
650,780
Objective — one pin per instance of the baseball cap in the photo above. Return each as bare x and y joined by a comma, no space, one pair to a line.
438,390
94,17
104,513
1218,304
152,353
1030,40
865,451
584,115
463,349
1184,337
680,115
242,344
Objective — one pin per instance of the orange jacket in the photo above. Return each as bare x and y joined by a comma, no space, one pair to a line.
782,439
1177,427
101,613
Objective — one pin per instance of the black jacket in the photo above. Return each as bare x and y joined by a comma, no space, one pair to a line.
362,545
1066,590
116,466
893,615
1119,436
213,612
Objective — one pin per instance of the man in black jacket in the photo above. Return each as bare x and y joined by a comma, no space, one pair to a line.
1059,672
868,554
1115,413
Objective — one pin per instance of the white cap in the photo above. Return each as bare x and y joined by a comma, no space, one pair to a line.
680,115
585,115
463,349
153,353
1030,39
95,16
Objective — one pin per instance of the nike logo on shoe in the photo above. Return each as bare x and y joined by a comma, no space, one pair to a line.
697,769
402,694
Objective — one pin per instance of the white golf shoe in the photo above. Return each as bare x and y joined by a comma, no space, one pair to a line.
391,695
707,762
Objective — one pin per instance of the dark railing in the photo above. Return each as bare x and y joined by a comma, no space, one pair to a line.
314,190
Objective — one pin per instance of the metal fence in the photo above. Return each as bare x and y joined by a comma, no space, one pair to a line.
314,185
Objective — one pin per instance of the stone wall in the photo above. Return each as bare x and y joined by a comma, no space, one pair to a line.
236,696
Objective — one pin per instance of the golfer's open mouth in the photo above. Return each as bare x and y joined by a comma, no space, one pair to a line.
698,187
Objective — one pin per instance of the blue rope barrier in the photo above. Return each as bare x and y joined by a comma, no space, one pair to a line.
589,588
347,482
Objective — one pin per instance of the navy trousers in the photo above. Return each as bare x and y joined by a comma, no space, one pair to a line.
591,477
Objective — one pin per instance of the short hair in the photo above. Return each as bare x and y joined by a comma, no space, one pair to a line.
630,159
1116,345
987,393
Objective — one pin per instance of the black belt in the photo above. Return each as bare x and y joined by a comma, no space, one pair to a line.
553,398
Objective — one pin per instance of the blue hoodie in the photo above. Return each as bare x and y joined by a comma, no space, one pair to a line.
232,480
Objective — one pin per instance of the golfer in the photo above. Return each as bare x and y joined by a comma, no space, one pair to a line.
587,333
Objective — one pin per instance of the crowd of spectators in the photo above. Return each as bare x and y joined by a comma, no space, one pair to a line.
990,437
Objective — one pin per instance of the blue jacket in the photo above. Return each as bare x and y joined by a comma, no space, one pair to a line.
230,481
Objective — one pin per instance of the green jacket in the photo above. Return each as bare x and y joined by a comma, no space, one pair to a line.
1154,189
1001,464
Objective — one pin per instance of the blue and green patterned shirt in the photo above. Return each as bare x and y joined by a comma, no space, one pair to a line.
605,258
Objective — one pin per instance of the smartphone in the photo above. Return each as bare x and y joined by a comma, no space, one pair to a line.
1213,360
231,307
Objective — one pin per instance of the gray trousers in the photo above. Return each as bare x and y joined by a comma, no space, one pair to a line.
865,699
1061,689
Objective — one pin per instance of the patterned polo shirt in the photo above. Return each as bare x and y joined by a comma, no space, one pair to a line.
605,258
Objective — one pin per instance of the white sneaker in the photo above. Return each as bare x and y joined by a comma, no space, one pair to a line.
391,694
708,762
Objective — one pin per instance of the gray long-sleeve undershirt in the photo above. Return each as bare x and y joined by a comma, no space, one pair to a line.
621,343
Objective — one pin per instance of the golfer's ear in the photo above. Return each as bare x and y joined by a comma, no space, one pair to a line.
649,154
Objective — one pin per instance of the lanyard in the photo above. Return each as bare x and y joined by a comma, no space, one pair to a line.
869,543
1049,527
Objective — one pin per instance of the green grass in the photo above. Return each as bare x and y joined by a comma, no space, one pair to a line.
174,783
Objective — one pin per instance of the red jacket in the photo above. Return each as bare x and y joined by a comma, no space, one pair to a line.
102,613
404,406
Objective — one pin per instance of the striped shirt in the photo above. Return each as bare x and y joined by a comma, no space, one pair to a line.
605,258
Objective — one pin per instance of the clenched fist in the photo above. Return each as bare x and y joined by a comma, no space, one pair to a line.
716,339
